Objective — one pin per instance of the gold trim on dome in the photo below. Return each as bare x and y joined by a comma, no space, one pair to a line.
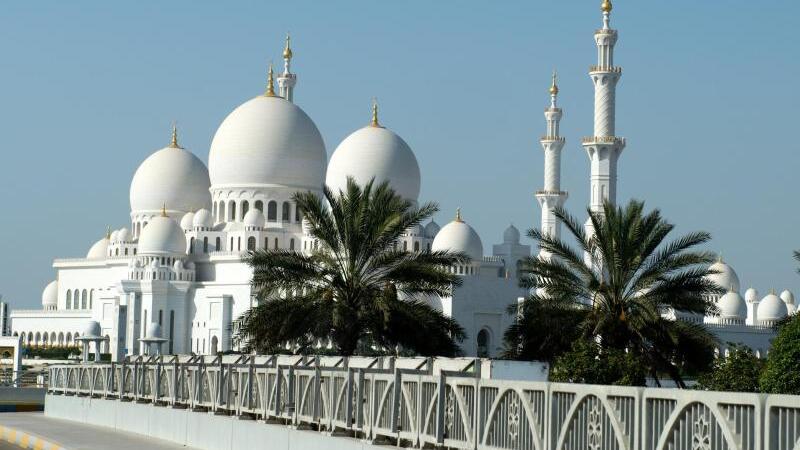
554,86
606,6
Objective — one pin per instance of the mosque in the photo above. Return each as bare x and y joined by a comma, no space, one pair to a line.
176,274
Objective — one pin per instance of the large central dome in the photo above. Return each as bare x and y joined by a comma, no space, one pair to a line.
267,141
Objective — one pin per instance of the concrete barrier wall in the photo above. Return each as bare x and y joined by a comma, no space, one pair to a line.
194,429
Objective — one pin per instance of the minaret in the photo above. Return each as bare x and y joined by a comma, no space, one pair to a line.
552,196
287,79
604,147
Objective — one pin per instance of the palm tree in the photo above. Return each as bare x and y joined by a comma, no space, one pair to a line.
797,257
621,295
354,289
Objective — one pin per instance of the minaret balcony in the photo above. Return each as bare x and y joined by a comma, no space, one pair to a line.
552,110
590,140
607,69
605,31
547,138
546,193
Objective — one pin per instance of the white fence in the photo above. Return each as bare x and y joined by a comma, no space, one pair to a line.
457,409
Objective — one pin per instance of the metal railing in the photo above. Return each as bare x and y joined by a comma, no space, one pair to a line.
460,410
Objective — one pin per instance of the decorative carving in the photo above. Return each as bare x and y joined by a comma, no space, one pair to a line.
594,427
449,412
513,418
701,437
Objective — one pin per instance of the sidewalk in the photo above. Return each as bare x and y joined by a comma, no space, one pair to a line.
28,429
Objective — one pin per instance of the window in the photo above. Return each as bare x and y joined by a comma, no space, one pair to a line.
272,211
231,247
219,243
245,207
266,243
276,244
259,205
416,246
251,243
171,329
297,216
221,212
484,339
205,245
191,245
239,244
285,212
160,316
232,211
91,298
291,244
76,299
405,246
69,299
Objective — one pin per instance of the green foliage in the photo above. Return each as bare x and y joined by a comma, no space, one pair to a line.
737,372
355,289
782,372
588,363
621,306
51,352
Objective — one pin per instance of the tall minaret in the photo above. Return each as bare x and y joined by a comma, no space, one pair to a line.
552,196
287,79
604,147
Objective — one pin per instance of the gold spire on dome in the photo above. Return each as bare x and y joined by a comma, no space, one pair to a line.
287,51
174,142
374,121
554,86
164,210
270,82
458,215
606,7
108,232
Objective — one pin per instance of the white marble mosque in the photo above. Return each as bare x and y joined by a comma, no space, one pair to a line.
175,273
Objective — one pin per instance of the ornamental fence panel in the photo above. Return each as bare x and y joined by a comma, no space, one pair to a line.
453,409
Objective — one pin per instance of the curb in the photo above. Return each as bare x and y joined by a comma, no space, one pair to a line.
26,440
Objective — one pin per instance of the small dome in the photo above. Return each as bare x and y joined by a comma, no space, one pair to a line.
203,219
431,229
457,236
153,331
725,277
254,218
787,297
771,309
186,220
417,230
171,176
91,329
751,295
99,249
375,152
124,235
268,141
732,306
113,236
177,266
511,235
50,294
162,236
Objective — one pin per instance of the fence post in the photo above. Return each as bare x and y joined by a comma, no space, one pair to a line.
440,406
278,383
396,399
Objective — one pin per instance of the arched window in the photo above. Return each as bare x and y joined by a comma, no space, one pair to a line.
126,251
245,207
160,317
297,216
60,338
484,341
232,211
272,211
231,247
171,329
416,246
205,244
266,243
239,244
405,246
291,244
214,342
69,299
259,205
106,344
76,299
218,242
251,243
276,244
116,251
91,299
221,212
191,245
285,217
68,340
44,339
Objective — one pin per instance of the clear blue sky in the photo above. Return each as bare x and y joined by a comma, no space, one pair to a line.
708,102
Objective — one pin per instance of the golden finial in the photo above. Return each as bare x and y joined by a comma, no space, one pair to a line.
554,86
374,121
287,51
108,232
772,291
164,210
606,7
270,83
458,215
174,142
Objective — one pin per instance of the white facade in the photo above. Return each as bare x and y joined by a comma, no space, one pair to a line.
180,264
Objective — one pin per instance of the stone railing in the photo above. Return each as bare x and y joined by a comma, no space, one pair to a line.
455,409
610,69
